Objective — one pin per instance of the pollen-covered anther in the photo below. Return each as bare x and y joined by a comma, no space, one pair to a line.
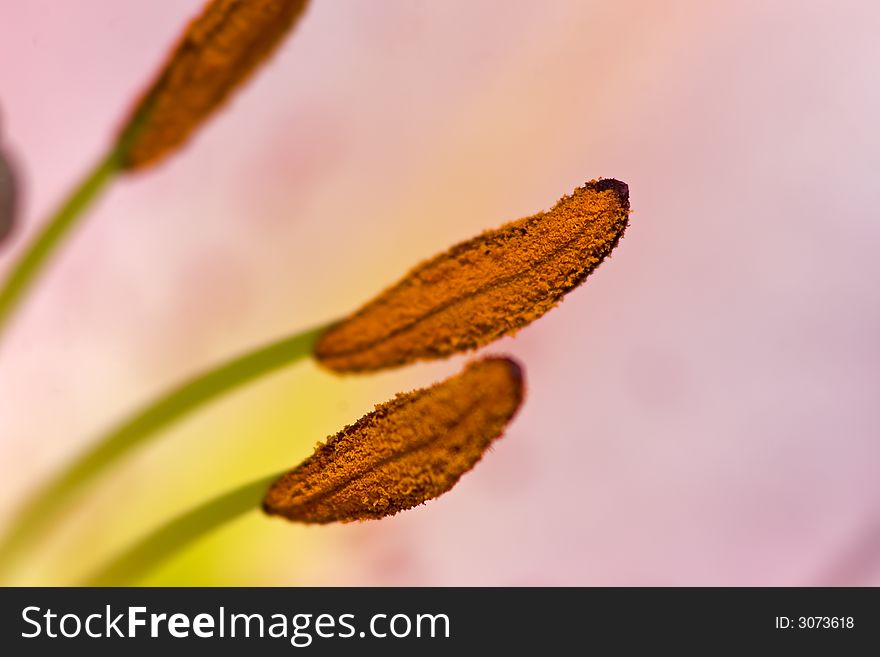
407,451
218,51
484,288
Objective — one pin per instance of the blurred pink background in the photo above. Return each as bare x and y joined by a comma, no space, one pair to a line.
703,411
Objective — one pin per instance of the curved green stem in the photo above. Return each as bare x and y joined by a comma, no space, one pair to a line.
33,260
48,504
152,550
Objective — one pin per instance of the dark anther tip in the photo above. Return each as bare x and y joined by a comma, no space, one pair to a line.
620,188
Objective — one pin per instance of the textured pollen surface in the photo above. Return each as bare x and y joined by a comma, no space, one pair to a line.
409,450
218,51
484,288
